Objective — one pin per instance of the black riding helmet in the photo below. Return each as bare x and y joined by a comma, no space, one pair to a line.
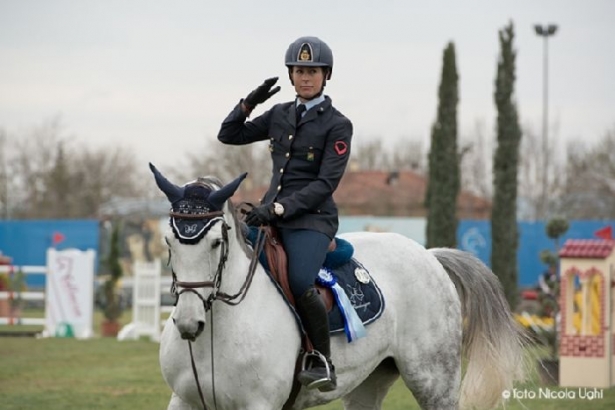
309,52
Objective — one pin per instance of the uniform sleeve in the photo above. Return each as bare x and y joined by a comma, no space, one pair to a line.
332,167
236,131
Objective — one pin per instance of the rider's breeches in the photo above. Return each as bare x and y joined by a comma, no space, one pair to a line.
306,251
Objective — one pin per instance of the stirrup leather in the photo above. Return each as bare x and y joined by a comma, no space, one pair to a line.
316,355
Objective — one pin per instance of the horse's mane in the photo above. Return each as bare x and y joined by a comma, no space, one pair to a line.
215,183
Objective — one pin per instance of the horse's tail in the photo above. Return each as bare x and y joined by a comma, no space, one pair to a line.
493,343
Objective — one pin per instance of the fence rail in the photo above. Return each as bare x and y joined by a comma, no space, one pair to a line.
7,316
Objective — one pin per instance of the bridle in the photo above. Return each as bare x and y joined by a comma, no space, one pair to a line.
180,287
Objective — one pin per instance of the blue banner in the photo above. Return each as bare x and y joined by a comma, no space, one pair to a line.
26,241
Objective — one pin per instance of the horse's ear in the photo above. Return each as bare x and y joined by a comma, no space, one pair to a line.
218,197
172,191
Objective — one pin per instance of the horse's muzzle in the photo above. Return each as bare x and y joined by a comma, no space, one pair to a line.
189,331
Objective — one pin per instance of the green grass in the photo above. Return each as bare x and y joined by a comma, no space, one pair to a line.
73,374
96,321
102,373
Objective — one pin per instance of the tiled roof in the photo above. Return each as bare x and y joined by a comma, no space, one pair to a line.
587,248
382,193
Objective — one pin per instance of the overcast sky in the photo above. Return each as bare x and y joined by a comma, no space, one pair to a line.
158,77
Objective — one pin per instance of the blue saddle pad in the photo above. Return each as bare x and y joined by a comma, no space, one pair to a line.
362,290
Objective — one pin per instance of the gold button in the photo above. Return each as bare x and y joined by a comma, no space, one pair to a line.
281,170
287,154
290,137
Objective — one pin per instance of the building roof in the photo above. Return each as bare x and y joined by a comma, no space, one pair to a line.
587,248
398,193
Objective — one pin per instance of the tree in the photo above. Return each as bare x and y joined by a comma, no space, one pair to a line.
44,174
371,154
589,189
476,163
103,174
32,161
59,187
533,173
408,154
112,308
227,162
444,181
504,233
549,298
5,205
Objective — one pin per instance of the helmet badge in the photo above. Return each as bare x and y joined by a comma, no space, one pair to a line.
305,53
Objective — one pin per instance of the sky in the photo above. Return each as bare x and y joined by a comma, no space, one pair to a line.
158,77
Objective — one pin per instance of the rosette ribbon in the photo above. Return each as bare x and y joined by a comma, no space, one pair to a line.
353,325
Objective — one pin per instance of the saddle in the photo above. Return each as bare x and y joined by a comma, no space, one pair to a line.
278,266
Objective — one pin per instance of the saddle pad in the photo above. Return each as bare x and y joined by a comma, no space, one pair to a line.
363,292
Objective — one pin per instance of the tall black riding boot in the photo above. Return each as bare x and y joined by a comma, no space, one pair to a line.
318,373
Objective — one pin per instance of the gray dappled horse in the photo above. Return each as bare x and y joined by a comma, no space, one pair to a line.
440,304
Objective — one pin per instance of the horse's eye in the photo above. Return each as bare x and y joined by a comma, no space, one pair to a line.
216,243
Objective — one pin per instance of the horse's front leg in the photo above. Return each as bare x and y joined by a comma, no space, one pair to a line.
177,403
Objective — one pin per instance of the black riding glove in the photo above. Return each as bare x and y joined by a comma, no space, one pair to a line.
261,94
261,215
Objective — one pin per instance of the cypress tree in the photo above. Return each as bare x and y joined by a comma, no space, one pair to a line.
444,181
504,233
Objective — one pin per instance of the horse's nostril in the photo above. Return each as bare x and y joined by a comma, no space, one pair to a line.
201,327
174,321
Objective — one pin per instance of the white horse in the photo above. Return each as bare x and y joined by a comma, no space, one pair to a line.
441,304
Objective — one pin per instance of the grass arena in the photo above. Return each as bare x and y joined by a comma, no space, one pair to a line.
102,373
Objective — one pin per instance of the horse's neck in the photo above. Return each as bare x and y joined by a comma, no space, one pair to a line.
237,268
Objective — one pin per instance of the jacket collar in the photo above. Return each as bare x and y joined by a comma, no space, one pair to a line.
310,114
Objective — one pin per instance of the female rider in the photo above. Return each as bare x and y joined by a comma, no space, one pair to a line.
309,142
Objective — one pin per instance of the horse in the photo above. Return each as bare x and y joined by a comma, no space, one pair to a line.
232,341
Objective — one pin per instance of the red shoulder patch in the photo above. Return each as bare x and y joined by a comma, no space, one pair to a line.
340,147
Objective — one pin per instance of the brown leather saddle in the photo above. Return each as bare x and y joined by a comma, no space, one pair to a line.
278,265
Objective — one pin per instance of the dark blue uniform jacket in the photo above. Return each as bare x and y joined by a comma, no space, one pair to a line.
308,159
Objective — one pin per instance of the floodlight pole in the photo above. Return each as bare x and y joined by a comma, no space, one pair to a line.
545,32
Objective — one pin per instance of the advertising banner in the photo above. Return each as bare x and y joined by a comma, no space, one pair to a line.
70,293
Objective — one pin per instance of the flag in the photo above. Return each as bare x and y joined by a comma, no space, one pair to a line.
604,233
57,237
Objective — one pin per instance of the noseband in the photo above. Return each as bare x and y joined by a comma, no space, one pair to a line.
179,287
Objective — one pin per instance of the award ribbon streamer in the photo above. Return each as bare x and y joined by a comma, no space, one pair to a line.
353,325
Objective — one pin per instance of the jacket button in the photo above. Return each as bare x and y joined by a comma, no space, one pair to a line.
279,187
290,137
287,155
281,170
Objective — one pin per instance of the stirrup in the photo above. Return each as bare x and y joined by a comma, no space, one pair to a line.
318,383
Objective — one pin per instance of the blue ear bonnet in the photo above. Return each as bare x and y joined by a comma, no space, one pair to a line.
194,201
189,214
195,207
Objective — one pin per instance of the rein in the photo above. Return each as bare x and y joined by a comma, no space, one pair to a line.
231,300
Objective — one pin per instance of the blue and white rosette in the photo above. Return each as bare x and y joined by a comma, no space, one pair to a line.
353,325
